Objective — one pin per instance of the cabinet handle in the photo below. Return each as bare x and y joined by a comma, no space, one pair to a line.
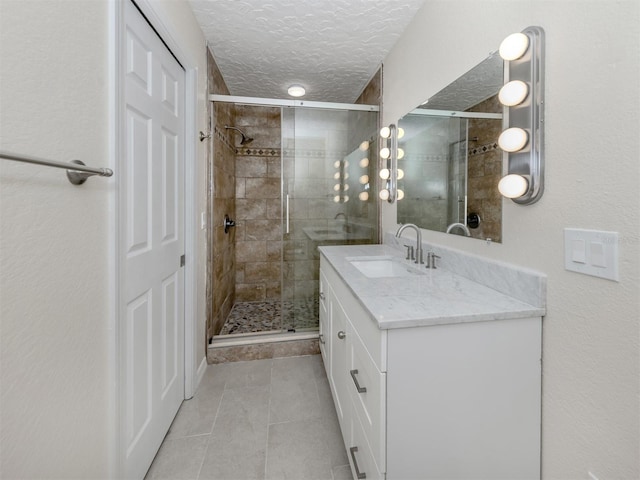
355,380
322,297
359,474
321,337
341,335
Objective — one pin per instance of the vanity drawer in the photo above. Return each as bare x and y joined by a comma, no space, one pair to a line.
367,388
361,458
366,326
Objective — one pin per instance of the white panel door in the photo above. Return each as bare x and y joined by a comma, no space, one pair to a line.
151,226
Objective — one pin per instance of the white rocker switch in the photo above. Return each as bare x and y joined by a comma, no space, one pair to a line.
591,252
578,251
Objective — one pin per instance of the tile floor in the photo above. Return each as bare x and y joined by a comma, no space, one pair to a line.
263,419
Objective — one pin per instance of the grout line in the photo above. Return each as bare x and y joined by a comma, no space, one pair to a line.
266,447
213,426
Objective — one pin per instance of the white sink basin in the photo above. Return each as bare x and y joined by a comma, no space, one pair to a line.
378,267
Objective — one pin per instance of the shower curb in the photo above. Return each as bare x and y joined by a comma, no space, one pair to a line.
262,347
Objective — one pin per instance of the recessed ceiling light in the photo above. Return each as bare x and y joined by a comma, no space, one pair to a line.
296,91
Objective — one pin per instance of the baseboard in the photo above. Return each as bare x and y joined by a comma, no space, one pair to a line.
200,372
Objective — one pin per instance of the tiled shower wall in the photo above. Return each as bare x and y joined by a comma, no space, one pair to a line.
221,192
485,171
258,205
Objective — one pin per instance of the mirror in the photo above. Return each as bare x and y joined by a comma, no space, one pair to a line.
452,162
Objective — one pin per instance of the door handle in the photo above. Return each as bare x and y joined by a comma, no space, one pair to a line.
287,216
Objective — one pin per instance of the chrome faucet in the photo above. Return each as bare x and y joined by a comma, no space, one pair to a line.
418,251
461,226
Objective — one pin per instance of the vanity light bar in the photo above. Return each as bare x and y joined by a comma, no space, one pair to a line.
523,138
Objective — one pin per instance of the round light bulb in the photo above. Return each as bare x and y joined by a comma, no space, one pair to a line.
400,194
384,153
385,132
336,175
364,146
513,93
336,187
296,91
345,187
400,153
364,179
346,163
384,194
364,163
513,139
400,132
363,196
346,175
400,174
384,173
514,46
336,199
513,186
336,164
345,198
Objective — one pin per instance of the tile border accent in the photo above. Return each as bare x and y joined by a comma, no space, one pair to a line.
258,152
479,150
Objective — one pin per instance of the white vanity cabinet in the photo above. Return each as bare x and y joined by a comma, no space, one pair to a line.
448,401
349,368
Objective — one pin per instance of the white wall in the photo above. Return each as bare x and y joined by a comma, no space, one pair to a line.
56,305
590,347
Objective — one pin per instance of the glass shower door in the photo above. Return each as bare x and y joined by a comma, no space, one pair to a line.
326,157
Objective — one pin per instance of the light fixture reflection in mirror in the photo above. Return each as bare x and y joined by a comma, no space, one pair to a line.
389,172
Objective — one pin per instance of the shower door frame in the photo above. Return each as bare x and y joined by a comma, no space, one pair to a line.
281,335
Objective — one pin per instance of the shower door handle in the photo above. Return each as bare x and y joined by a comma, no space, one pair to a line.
287,215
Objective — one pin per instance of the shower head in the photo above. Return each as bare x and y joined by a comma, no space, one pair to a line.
244,140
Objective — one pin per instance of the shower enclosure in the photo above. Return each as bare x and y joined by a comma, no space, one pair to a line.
302,182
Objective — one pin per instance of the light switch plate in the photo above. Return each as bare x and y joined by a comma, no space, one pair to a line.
591,252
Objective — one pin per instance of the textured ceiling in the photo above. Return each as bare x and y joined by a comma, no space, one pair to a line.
331,47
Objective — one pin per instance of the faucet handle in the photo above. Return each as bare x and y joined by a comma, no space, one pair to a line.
410,255
431,260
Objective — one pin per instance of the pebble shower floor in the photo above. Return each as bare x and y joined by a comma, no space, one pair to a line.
251,317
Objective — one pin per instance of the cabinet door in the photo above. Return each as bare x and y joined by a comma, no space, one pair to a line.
324,330
338,362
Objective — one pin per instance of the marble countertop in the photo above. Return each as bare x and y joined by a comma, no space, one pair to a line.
434,297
